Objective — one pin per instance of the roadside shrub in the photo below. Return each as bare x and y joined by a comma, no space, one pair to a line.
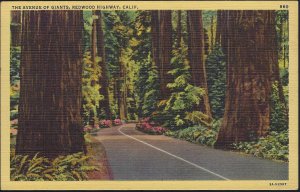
63,168
197,134
117,122
150,128
105,123
274,146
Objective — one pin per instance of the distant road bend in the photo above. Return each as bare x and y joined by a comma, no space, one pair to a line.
133,155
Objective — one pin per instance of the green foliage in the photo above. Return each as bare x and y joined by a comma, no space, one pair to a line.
118,33
206,17
274,146
184,33
284,76
15,56
111,42
87,18
184,96
63,168
216,80
147,88
90,87
279,118
197,134
146,83
14,101
151,95
14,114
282,20
197,117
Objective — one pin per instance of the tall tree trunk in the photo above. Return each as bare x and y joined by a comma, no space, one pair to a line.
249,55
94,41
155,37
281,40
15,28
50,92
179,28
212,33
103,81
224,42
125,93
93,57
122,100
218,27
165,48
196,57
116,96
285,48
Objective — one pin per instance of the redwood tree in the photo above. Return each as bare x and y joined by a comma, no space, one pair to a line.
155,37
50,92
218,27
162,47
196,56
212,39
249,57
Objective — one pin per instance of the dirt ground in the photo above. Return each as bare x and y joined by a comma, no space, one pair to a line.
97,151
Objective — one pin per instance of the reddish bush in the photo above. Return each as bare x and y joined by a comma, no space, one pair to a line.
105,123
150,127
117,122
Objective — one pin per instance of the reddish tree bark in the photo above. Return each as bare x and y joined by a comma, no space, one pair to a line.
196,57
218,27
155,37
50,92
249,57
164,43
212,40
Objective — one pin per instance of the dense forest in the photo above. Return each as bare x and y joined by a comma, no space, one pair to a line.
218,78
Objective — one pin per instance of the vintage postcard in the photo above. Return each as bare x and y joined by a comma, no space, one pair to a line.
149,95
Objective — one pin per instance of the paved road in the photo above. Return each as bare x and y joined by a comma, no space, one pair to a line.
133,155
